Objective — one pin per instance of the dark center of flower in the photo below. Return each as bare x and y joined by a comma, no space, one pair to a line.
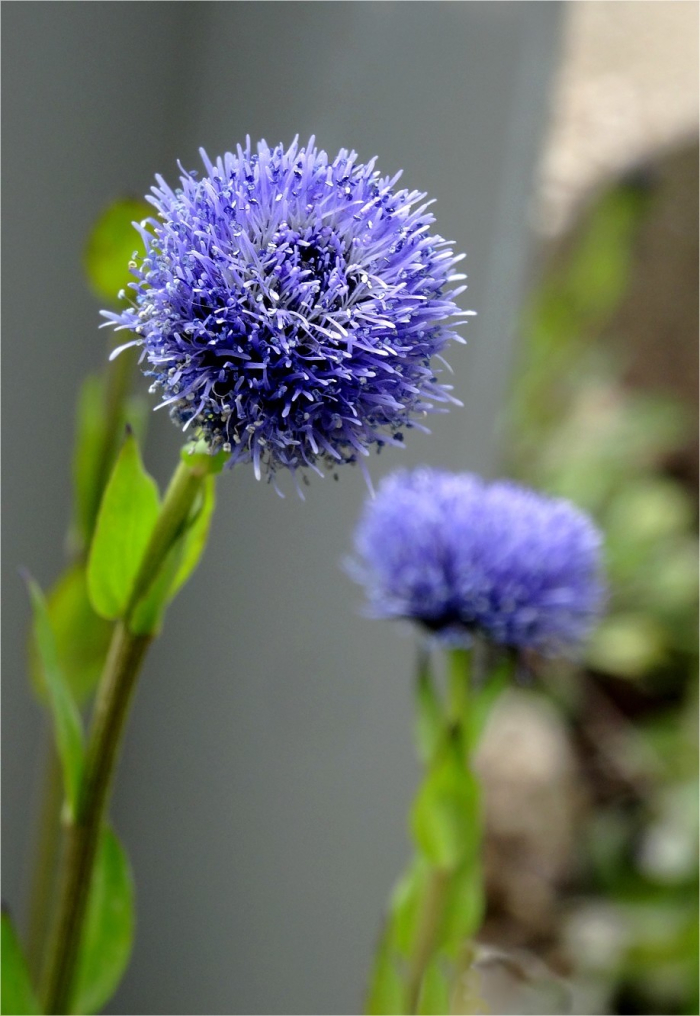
307,268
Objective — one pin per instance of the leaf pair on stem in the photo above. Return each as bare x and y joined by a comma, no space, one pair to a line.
437,906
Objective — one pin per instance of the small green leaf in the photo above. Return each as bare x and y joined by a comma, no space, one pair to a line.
386,990
430,722
198,454
179,564
464,907
435,992
136,414
445,816
87,458
405,907
483,699
460,680
68,729
147,616
101,417
112,245
18,998
109,928
125,522
82,638
195,537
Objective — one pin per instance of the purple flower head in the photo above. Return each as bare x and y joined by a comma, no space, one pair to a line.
463,557
288,306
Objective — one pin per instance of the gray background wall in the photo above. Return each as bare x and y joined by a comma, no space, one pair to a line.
268,765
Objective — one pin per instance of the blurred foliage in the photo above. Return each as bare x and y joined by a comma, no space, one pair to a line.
66,660
18,997
113,244
576,429
104,409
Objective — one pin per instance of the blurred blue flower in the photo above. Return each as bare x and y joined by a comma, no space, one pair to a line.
289,306
464,557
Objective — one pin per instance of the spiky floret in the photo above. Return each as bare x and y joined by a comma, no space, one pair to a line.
464,557
289,306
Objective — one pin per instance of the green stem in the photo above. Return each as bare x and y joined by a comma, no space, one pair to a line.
459,722
184,486
459,665
82,834
118,382
46,860
124,660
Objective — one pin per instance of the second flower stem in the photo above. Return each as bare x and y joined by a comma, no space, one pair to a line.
433,905
458,719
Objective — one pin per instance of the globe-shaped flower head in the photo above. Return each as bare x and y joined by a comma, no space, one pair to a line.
289,305
465,557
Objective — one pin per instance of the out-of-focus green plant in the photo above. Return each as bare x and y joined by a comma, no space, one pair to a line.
78,635
577,431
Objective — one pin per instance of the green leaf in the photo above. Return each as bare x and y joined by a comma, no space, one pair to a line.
87,459
109,928
445,817
197,454
127,516
136,414
195,537
386,990
406,906
430,722
179,564
483,699
103,412
464,907
112,245
68,729
147,616
435,991
82,638
18,998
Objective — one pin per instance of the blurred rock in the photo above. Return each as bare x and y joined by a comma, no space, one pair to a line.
532,800
517,983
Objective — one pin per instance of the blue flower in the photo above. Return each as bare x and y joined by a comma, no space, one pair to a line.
463,557
289,306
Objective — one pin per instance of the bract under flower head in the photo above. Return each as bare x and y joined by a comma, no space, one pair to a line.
289,305
464,557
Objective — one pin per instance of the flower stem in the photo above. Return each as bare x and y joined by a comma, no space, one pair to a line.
459,665
82,834
182,491
46,859
432,907
117,383
124,660
458,721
